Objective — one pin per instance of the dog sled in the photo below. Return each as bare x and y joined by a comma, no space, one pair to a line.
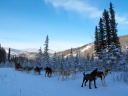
18,67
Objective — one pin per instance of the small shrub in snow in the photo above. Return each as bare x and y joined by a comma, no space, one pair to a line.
120,76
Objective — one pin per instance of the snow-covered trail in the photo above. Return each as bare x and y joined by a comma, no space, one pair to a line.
17,83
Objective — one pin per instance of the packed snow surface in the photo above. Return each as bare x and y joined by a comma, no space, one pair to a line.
18,83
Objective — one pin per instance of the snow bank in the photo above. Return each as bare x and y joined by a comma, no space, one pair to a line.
17,83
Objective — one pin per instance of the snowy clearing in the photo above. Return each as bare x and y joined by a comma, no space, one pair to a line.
18,83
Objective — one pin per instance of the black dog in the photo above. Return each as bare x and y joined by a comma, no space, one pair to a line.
91,77
38,69
48,72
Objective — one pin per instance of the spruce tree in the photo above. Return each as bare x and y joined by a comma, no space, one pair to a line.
39,58
2,55
107,43
9,54
102,41
46,53
107,29
71,59
76,61
54,60
116,47
113,24
96,43
62,63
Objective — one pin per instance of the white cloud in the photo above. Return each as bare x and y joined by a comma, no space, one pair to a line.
121,20
83,8
78,6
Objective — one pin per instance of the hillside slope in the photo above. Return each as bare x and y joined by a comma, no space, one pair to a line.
89,48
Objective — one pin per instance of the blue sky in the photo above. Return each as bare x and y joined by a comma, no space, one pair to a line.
68,23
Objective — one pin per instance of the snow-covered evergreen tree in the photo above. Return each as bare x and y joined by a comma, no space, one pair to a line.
109,50
2,55
62,66
71,60
9,54
55,61
113,25
76,60
114,48
39,58
46,53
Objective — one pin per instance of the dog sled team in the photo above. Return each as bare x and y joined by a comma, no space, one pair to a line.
92,77
49,71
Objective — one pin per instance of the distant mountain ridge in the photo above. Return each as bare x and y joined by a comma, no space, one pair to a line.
83,50
89,48
30,53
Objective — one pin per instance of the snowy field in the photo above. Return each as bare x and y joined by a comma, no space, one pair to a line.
17,83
